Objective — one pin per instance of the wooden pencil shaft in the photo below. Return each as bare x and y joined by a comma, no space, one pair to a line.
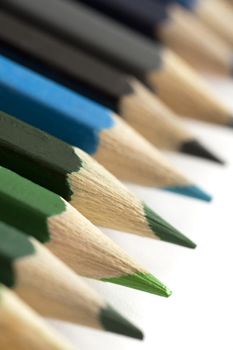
22,329
218,16
196,43
68,65
52,219
103,38
51,288
23,269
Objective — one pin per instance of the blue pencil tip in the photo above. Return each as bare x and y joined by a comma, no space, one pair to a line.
190,191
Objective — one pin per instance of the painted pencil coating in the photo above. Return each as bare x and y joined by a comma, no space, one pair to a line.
174,27
43,203
145,16
61,61
13,246
216,14
31,153
70,22
83,117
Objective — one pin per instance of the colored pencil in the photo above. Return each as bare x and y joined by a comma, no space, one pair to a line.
83,123
43,214
75,176
217,14
22,329
91,77
28,265
178,85
175,27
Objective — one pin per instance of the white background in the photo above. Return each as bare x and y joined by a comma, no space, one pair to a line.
199,314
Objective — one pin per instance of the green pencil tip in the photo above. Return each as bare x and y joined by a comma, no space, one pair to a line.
165,231
141,281
112,321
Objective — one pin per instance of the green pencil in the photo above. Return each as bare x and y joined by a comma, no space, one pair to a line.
80,180
50,219
26,265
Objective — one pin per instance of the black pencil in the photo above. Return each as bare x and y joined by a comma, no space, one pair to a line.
175,27
93,78
177,83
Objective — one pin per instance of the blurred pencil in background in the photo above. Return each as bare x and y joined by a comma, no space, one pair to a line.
173,26
95,129
217,14
178,85
95,79
22,329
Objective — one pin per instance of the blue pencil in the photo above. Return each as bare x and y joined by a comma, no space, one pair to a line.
81,122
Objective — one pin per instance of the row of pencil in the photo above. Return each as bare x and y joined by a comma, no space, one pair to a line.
88,93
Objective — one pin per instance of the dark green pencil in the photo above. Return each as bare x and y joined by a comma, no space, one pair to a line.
80,180
64,295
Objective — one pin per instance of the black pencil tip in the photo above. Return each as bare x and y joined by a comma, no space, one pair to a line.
196,149
230,123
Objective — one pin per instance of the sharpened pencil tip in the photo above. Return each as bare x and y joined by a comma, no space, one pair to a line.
196,149
190,191
164,231
230,123
112,321
141,281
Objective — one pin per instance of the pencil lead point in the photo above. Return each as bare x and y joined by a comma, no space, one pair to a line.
195,148
190,191
166,232
112,321
141,281
230,123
